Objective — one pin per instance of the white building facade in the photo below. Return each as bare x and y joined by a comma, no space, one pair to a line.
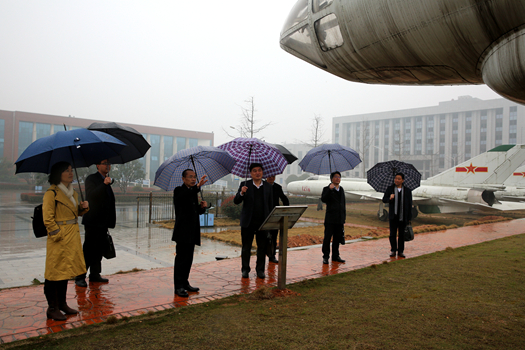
432,138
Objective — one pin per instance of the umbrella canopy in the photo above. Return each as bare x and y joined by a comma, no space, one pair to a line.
252,150
136,144
328,158
79,147
290,158
382,175
204,160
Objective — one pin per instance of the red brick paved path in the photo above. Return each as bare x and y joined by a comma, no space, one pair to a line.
22,310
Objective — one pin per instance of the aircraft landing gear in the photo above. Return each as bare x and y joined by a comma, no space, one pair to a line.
382,213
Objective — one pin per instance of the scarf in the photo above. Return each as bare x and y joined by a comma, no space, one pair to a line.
69,192
396,194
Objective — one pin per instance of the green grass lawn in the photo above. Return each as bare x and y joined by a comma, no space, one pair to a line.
466,298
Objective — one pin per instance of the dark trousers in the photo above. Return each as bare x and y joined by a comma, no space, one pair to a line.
95,244
272,248
261,237
183,262
395,227
55,292
335,231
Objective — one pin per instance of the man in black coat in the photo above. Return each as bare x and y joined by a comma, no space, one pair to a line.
334,197
187,230
277,192
256,196
100,218
399,199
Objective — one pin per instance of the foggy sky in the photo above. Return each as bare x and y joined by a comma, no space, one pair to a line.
187,65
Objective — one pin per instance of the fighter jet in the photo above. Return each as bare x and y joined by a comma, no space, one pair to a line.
413,42
468,186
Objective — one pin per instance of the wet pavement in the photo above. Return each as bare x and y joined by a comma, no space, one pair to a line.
22,310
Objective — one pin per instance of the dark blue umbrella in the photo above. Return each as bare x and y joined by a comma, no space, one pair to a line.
204,160
79,147
328,158
382,175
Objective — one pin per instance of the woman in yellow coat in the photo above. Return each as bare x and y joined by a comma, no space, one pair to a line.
64,257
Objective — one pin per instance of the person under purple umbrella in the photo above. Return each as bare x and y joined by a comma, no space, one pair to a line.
257,199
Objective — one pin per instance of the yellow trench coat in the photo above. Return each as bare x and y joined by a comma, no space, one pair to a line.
64,256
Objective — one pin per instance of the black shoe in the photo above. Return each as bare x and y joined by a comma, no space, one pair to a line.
338,259
273,260
393,254
401,255
181,292
245,274
81,283
98,279
191,289
325,261
261,275
343,242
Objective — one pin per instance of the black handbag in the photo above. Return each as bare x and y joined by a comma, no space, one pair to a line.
409,233
110,252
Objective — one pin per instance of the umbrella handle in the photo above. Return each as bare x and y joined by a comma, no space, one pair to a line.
195,170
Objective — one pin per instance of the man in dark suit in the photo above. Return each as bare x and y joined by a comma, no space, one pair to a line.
277,192
334,197
100,218
187,230
399,199
256,197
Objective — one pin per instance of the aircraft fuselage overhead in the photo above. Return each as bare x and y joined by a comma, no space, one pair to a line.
413,42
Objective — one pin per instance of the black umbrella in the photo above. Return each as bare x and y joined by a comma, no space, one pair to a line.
136,144
382,175
290,158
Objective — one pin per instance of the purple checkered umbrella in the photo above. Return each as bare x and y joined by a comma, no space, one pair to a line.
328,158
204,160
382,175
251,150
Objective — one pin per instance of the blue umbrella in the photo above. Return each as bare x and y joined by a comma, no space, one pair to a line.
328,158
382,175
204,160
79,147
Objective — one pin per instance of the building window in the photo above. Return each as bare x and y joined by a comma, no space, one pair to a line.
42,130
2,129
336,140
154,155
168,146
25,136
193,143
181,143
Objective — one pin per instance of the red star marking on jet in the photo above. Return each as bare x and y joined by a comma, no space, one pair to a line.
471,169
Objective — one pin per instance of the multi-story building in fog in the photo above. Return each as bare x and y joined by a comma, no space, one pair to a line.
432,138
19,129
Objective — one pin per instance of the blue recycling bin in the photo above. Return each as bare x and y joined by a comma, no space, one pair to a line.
206,219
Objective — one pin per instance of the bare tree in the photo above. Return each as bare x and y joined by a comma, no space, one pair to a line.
317,132
247,127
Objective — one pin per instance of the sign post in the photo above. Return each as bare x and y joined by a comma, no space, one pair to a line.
283,218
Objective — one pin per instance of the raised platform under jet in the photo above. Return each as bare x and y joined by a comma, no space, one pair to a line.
468,186
413,42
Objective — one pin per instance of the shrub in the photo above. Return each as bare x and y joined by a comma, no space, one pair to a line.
231,209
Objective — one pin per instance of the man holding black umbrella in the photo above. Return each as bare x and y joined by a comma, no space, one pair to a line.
100,218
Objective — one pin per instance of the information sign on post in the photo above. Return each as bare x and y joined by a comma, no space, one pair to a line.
282,218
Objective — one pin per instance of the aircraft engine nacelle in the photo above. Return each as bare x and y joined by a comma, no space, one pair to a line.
481,196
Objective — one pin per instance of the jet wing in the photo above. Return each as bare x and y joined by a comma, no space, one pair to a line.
513,199
378,196
451,205
364,195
